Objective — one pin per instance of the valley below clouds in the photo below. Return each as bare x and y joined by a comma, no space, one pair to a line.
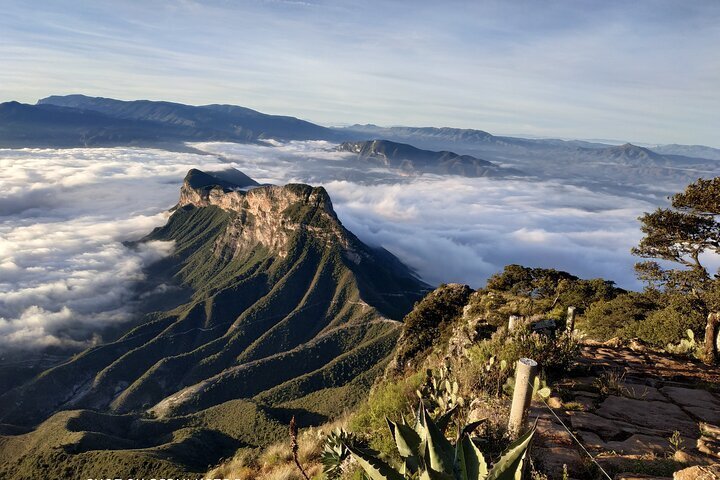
65,273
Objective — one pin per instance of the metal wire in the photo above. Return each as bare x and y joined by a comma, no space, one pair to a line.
573,436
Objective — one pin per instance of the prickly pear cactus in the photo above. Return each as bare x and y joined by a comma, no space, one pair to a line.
441,392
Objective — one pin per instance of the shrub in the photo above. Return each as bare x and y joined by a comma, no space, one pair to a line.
495,308
392,399
529,282
492,362
525,291
426,326
608,318
655,317
561,288
667,325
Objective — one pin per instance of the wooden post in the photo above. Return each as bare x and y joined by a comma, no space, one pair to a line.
522,395
711,334
513,322
570,320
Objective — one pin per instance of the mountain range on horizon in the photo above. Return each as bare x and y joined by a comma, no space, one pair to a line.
80,120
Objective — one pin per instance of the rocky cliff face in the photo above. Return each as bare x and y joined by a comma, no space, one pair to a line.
269,216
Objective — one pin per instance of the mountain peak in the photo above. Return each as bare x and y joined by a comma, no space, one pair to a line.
630,147
230,179
632,151
415,160
625,154
267,215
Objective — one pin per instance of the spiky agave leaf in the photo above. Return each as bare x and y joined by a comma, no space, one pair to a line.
443,420
375,468
470,427
439,453
510,465
431,474
408,443
471,462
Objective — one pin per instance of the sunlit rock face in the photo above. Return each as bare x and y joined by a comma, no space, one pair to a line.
266,215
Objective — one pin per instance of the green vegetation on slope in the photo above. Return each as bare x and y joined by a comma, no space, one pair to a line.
288,313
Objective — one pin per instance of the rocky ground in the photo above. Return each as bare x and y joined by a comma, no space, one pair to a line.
640,414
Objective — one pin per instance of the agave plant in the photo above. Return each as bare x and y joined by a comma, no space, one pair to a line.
335,453
428,454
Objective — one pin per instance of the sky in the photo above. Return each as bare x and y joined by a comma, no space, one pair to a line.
65,274
647,72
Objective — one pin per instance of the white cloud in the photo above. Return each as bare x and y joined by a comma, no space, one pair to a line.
463,229
64,273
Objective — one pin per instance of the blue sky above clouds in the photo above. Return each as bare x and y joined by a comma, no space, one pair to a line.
641,71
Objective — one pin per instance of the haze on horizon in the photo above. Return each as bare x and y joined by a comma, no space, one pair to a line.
647,72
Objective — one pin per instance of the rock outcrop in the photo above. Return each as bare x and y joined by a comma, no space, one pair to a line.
267,215
632,410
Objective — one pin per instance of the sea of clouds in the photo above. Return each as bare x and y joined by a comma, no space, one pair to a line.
457,229
65,273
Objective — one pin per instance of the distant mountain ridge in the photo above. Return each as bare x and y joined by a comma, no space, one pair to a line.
81,121
285,307
78,120
583,163
411,159
23,125
697,151
433,137
634,156
445,133
213,121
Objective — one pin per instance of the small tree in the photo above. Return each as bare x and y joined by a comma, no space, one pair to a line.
682,234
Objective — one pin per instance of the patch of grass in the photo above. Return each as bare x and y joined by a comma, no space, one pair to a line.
650,465
611,382
392,399
573,406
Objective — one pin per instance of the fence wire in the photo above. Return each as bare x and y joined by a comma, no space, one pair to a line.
573,436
